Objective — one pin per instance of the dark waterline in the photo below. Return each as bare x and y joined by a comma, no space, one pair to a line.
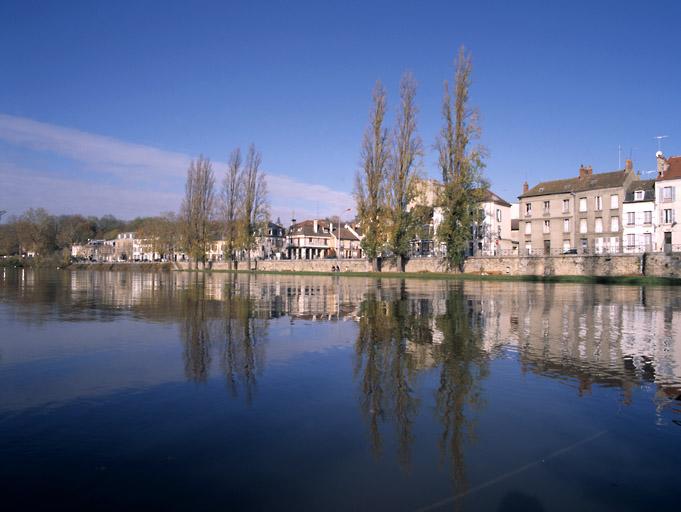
262,392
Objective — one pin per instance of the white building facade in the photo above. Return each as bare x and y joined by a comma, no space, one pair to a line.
668,203
638,217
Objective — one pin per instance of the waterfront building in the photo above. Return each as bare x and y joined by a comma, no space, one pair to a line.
309,239
494,233
270,242
668,202
581,214
491,238
638,229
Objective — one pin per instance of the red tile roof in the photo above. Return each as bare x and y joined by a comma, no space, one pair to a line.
673,172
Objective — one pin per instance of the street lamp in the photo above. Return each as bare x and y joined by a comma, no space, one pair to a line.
338,240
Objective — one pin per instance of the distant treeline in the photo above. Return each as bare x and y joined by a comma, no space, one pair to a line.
38,232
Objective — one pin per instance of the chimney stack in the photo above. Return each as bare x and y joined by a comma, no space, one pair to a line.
662,164
585,171
526,188
315,225
629,166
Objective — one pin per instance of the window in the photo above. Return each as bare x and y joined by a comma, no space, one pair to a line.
614,244
599,245
668,194
667,216
566,225
528,209
598,227
638,195
631,241
599,203
614,223
528,228
648,240
547,206
498,215
631,218
648,217
614,201
547,226
566,206
582,204
582,225
528,248
584,244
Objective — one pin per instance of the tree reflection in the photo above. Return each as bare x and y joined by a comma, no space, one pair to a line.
399,337
463,365
243,355
386,370
196,331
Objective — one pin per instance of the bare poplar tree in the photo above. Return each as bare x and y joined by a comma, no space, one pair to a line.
403,164
255,203
232,195
370,179
461,165
197,208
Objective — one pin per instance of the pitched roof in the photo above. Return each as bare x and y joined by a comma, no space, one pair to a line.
491,197
648,187
306,228
673,172
579,184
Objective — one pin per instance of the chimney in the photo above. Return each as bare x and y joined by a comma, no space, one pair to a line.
629,166
662,164
316,225
585,171
526,188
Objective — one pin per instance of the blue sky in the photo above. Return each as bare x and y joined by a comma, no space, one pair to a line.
103,103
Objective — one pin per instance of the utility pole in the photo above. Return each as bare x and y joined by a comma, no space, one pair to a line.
659,141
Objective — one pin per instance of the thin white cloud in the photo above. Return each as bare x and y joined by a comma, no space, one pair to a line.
23,188
136,163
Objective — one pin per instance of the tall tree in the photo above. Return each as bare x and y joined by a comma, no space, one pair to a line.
461,165
232,197
255,204
197,208
403,164
370,179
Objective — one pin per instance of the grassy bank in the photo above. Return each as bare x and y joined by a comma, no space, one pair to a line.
627,280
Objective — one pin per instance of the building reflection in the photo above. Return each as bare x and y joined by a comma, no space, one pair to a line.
611,336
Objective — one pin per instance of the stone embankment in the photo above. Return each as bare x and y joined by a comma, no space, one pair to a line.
636,265
639,265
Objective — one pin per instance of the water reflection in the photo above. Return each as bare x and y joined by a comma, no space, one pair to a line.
399,336
415,359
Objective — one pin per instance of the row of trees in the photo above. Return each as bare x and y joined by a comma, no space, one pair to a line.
391,161
39,232
240,207
235,213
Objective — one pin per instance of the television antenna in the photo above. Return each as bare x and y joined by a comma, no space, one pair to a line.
659,141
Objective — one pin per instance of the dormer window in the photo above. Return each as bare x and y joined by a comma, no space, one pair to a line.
638,195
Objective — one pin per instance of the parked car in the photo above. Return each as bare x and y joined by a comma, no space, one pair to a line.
570,251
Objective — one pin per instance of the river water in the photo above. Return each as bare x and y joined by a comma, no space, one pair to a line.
202,392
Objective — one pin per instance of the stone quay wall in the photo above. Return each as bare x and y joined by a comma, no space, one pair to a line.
615,265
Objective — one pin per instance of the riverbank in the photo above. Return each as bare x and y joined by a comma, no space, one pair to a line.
118,267
623,280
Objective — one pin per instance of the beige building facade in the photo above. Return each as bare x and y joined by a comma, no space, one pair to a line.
581,214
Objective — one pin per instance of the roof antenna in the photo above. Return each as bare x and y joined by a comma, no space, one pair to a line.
659,141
